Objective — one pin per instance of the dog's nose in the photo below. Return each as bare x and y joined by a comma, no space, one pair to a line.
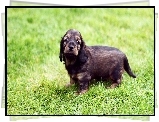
71,47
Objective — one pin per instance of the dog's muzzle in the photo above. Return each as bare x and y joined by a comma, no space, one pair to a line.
71,49
71,46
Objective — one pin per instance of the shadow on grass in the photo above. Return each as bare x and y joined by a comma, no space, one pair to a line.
106,83
93,83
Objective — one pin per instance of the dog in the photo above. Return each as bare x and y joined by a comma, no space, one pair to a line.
86,63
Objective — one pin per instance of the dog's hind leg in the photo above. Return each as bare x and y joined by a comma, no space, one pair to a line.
116,78
115,83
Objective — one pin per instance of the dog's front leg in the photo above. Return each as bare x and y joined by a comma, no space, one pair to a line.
70,83
83,83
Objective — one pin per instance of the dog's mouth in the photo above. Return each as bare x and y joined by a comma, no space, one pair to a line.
71,53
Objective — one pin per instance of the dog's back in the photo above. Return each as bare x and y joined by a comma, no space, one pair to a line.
112,60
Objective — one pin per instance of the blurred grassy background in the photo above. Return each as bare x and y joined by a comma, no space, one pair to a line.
36,76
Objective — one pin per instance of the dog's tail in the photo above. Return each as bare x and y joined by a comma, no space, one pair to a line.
127,68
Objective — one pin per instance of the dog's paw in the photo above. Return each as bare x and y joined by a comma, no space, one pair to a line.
114,85
81,92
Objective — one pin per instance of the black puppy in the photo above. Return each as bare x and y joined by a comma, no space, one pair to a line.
85,63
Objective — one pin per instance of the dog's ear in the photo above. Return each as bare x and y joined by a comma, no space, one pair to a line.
61,50
82,53
82,42
83,57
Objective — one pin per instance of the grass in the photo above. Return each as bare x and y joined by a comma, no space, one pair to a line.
36,77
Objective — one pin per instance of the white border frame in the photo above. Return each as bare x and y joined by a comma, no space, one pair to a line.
74,2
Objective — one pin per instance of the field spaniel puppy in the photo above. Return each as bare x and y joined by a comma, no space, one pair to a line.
86,63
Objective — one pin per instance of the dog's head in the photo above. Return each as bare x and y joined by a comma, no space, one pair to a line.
71,45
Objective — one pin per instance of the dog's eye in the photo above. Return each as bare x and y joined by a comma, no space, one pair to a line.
66,39
78,42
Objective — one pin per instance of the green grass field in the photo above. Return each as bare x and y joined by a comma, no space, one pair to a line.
36,77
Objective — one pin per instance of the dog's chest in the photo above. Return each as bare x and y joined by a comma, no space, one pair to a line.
72,69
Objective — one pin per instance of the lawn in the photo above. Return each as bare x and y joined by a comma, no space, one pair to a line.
36,77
